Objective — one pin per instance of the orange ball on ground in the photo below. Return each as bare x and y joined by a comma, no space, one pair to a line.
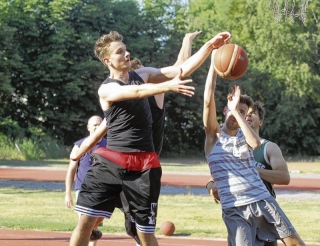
167,228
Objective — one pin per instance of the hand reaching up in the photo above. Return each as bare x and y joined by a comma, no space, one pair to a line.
234,98
190,36
220,39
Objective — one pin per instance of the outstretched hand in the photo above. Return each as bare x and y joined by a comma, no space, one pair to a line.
179,86
192,35
220,39
234,98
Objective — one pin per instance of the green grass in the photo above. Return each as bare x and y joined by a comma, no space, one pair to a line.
168,164
195,216
63,163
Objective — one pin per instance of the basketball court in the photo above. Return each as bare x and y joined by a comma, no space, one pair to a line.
37,238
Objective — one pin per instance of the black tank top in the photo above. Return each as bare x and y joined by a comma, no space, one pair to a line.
158,118
129,122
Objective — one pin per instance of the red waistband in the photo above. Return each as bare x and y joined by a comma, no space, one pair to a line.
134,161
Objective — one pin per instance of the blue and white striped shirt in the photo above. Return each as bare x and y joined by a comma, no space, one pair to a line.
231,165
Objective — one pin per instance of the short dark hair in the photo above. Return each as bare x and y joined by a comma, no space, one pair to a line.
259,107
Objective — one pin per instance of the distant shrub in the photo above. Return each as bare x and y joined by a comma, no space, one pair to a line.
8,150
31,149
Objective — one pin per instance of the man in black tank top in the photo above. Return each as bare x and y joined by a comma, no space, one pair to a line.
156,102
129,164
158,117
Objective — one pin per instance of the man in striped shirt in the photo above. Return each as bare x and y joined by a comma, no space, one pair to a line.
251,214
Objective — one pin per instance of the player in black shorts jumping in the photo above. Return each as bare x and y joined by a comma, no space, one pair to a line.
158,120
130,165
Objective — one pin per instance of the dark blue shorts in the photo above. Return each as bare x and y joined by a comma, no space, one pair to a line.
136,174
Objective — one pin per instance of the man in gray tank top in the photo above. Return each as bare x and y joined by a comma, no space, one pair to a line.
269,161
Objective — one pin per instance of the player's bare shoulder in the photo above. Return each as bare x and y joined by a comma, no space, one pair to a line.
106,91
108,94
272,148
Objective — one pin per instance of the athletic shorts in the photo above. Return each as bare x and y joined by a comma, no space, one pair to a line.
256,223
274,243
136,174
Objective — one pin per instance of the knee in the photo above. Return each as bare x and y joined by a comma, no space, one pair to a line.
86,223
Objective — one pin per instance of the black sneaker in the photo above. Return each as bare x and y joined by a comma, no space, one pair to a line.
95,235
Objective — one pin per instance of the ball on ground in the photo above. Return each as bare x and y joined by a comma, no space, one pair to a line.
231,61
167,228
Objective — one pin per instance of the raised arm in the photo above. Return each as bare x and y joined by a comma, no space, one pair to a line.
195,61
279,173
210,122
185,51
184,54
73,164
252,138
90,141
153,75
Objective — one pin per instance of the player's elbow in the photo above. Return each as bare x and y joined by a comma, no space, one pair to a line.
286,179
255,144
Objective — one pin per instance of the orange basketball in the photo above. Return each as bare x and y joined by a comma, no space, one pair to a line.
231,61
167,228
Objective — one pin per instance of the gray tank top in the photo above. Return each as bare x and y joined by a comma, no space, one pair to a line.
231,166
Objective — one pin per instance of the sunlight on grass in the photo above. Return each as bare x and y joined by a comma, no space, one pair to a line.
168,164
195,216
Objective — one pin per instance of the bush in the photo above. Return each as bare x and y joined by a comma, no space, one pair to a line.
8,150
28,149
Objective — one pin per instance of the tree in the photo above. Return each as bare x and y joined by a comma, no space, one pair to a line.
54,75
282,70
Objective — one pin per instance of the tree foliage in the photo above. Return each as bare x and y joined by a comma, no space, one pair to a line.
284,66
49,76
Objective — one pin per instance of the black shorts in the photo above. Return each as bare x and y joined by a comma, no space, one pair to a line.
136,174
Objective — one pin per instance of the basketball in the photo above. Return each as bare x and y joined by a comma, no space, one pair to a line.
167,228
231,61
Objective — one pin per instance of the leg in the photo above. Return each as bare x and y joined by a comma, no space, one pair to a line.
81,234
275,221
96,233
144,188
240,225
129,223
93,243
131,228
147,239
99,220
293,240
96,198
